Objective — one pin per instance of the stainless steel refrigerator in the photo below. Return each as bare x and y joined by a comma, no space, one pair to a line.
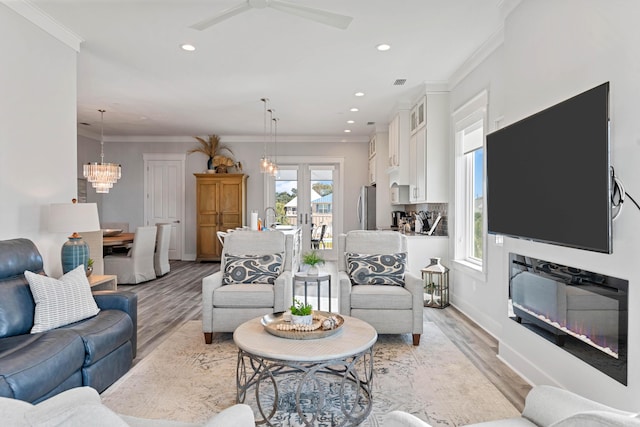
367,208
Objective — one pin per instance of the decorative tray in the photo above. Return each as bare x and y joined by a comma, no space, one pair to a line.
109,232
271,322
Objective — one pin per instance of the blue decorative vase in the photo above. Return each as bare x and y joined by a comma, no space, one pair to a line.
210,163
74,252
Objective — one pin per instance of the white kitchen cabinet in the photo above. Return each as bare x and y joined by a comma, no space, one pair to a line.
437,148
418,116
399,148
417,166
372,146
372,170
428,153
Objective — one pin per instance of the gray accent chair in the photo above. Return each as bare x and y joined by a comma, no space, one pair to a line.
544,406
389,309
224,308
161,256
137,265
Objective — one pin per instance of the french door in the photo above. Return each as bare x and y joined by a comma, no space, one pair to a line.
308,195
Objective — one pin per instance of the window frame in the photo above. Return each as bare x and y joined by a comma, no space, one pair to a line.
471,114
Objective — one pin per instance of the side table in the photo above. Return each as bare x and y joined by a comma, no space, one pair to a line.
302,276
103,282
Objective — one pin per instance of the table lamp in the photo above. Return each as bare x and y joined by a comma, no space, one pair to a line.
74,217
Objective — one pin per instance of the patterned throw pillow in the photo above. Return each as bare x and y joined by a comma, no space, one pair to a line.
376,269
251,268
61,302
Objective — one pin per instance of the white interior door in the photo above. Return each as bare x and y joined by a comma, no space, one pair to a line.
164,189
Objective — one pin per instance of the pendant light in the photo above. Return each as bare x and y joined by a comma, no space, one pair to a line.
102,175
271,164
264,161
274,169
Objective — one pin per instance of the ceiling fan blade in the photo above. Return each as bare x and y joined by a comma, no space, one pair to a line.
318,15
225,14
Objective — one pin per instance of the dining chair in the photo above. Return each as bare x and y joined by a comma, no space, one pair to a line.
315,242
161,256
136,266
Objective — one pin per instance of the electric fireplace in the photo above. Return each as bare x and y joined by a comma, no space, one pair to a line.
583,312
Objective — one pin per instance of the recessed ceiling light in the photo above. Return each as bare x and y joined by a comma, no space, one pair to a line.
354,109
188,47
383,47
351,122
347,130
359,94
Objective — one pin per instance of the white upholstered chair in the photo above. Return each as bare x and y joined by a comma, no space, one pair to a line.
161,256
389,309
136,266
225,307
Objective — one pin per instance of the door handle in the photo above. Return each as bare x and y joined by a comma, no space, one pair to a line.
176,221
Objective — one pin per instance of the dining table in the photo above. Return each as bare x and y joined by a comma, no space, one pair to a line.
122,239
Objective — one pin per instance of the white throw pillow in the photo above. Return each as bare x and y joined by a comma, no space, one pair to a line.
61,302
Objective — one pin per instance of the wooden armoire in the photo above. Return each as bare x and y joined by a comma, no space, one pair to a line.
221,205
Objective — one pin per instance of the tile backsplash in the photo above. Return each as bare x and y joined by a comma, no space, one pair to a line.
436,208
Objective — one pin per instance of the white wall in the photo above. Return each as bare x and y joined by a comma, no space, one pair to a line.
37,132
125,200
553,50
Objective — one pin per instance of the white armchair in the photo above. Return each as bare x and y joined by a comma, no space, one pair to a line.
225,307
389,309
136,266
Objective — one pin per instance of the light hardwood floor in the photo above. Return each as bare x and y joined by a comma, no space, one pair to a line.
166,303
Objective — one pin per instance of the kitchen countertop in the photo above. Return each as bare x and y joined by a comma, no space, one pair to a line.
412,233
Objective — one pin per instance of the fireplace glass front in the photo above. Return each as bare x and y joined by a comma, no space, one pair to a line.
584,313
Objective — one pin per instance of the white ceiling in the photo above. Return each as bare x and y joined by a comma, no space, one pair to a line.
131,65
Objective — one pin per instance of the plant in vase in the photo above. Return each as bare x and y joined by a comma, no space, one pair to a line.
312,259
301,314
89,266
212,148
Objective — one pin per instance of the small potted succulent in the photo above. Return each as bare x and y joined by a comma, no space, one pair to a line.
89,266
312,259
301,314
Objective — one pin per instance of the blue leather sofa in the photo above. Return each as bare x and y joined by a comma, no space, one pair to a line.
94,352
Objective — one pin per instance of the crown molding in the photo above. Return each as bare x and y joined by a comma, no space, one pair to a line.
226,138
38,17
472,62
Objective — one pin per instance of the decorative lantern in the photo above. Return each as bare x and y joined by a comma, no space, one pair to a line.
435,278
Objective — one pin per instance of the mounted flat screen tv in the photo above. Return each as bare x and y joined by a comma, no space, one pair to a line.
549,175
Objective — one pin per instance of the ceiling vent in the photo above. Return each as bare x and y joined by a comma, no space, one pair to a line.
371,123
399,82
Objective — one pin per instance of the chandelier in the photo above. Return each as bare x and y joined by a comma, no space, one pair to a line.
102,175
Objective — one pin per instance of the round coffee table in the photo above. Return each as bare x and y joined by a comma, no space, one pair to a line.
321,380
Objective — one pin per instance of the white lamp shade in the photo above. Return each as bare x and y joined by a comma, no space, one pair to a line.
73,217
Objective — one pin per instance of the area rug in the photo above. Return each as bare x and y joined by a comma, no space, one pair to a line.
187,380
